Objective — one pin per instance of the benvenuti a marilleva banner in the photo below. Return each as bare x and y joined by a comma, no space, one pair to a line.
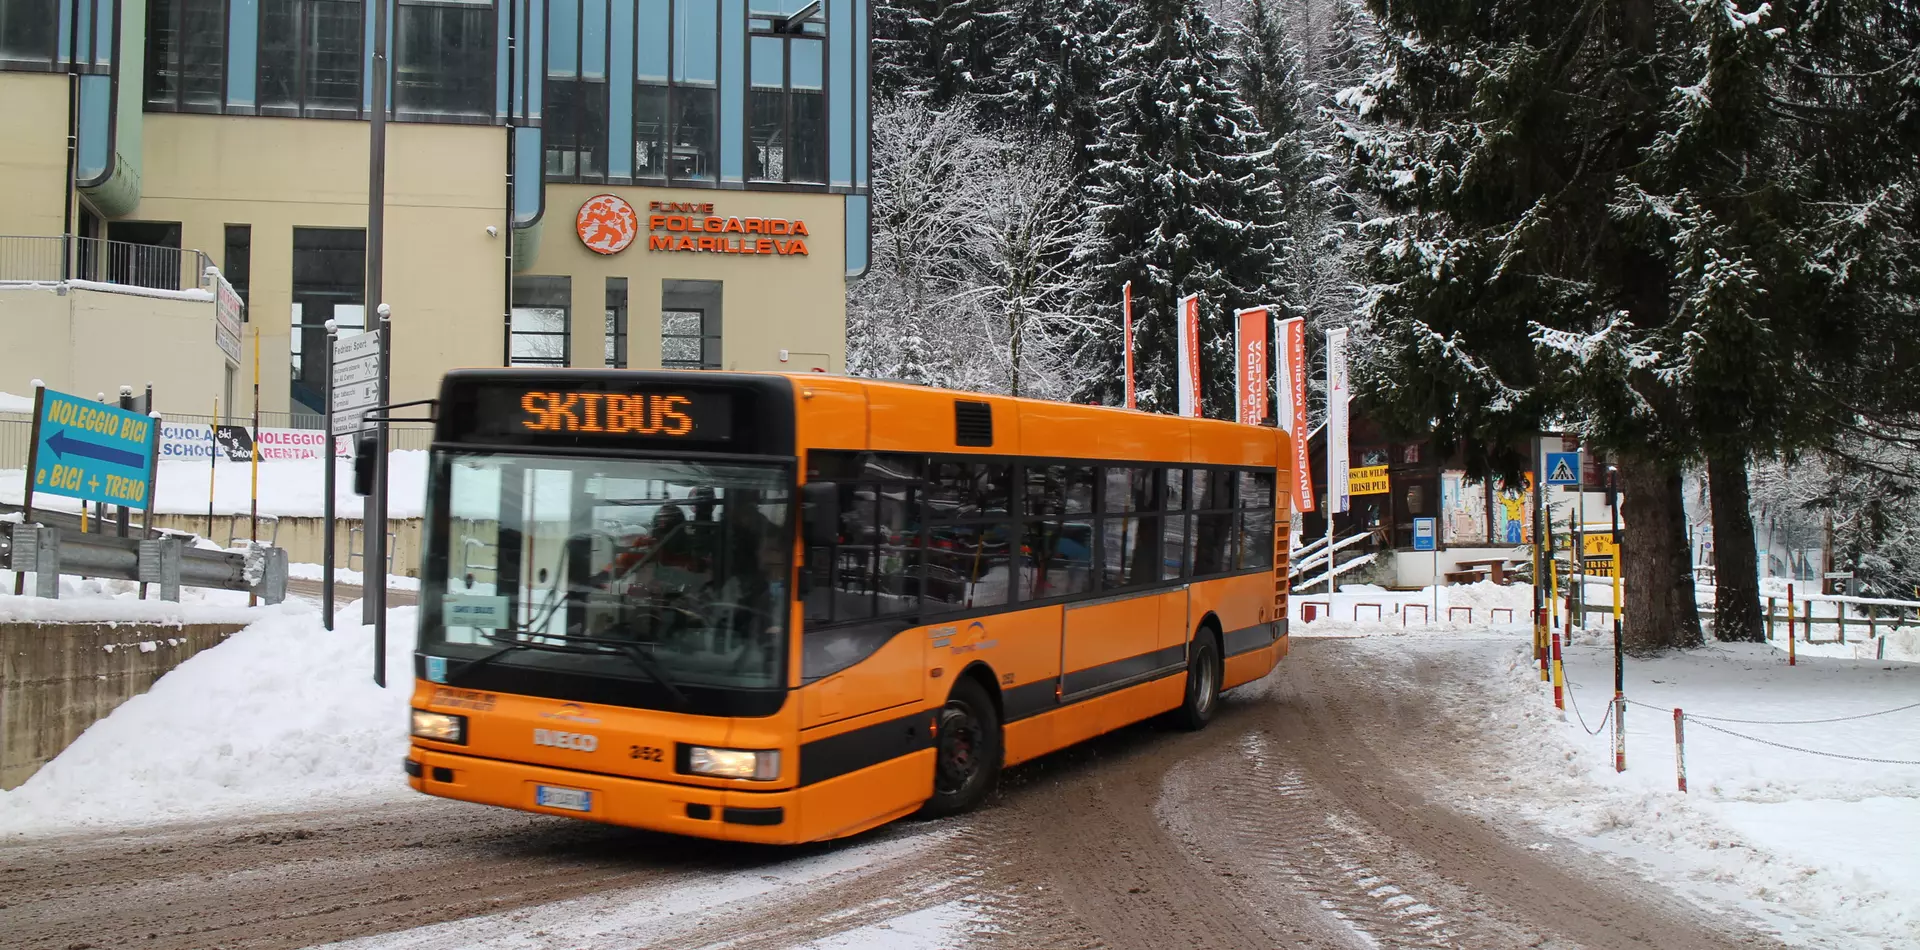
1291,339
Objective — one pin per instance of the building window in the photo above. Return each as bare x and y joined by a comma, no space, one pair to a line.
310,59
573,117
616,323
444,58
186,54
28,31
676,104
237,264
690,324
329,283
542,318
787,104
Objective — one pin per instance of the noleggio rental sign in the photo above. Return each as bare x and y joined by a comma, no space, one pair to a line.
188,440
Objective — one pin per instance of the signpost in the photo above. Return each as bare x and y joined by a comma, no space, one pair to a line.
227,310
1563,468
1425,531
90,451
353,387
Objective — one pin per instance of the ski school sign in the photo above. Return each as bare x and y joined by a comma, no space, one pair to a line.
189,440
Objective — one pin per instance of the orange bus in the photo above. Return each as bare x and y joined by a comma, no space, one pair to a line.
791,608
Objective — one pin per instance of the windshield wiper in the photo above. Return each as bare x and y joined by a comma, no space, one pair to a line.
645,663
454,678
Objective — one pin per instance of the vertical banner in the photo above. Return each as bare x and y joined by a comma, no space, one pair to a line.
1126,335
1188,339
1338,493
1291,341
1250,364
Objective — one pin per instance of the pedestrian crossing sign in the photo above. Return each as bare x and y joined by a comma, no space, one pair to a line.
1563,468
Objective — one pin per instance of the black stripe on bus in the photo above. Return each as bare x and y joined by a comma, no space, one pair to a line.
1248,639
1138,667
866,746
1034,698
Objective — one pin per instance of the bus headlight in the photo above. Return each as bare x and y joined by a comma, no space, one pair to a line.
763,766
440,727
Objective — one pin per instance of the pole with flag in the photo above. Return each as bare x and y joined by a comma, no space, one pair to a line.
1250,364
1291,340
1337,497
1188,340
1126,336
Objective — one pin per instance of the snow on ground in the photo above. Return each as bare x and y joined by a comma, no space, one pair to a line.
289,488
1459,608
1818,846
12,403
282,715
312,572
682,913
93,600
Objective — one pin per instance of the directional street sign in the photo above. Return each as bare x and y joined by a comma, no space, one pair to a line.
356,381
1423,533
92,451
1563,468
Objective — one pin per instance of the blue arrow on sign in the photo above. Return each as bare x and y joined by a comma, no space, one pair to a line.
63,444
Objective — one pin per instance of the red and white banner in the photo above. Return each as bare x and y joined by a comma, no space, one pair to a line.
1188,351
1126,338
1291,342
1250,364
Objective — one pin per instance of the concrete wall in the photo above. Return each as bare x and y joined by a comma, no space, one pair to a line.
33,152
90,341
58,679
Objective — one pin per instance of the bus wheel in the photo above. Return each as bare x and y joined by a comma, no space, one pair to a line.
1203,683
967,752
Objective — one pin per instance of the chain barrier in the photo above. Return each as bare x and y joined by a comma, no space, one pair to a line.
1793,748
1594,731
1782,722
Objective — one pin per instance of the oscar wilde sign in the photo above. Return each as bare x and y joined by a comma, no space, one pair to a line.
692,226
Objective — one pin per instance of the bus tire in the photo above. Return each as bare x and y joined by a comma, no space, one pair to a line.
967,751
1203,682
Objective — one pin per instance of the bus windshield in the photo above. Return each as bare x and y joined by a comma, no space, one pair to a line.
649,569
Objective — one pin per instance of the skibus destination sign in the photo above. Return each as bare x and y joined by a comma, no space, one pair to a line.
92,451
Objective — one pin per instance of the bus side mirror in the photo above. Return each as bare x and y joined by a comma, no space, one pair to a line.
365,447
820,514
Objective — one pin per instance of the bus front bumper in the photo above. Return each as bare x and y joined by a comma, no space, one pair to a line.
766,817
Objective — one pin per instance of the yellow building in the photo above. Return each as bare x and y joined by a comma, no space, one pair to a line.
688,187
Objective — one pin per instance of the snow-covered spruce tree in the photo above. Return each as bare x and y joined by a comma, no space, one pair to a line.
1181,199
934,50
1506,290
1048,66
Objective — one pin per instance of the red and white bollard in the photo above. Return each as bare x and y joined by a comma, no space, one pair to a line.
1793,658
1559,680
1680,747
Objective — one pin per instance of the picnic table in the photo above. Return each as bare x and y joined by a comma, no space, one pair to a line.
1494,568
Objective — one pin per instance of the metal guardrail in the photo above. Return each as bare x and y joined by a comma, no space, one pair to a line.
170,561
57,258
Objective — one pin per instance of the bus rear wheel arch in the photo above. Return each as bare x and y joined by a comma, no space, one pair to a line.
968,749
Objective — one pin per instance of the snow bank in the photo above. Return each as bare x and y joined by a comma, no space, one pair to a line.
282,716
294,488
12,403
91,600
1821,848
341,575
1427,611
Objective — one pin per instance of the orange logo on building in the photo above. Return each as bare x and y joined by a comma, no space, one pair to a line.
607,224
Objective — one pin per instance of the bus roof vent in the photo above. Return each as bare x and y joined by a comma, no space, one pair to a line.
972,423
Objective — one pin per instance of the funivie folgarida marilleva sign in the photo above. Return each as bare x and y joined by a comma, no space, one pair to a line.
607,224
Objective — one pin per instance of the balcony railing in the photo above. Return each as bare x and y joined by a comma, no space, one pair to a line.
57,259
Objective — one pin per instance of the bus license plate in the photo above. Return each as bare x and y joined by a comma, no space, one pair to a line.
571,799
